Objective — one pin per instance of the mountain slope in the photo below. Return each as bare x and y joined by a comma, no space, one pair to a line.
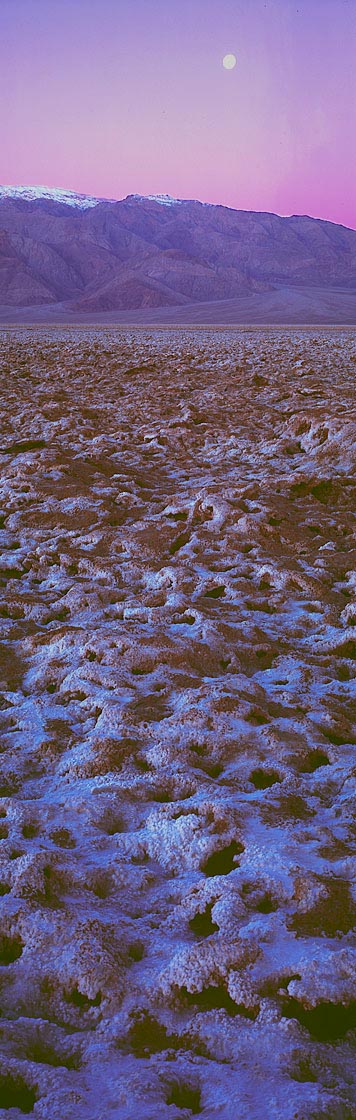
92,256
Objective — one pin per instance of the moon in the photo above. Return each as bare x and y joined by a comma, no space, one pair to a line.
229,61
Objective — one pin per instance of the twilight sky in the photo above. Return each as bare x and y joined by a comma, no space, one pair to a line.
112,97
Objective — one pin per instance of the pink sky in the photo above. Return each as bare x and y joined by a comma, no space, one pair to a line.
112,97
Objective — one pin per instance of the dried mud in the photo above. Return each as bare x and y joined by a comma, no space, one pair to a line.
177,672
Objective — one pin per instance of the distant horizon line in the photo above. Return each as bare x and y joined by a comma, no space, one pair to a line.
68,196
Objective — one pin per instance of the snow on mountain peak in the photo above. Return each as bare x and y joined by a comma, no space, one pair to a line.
72,198
53,194
163,199
85,201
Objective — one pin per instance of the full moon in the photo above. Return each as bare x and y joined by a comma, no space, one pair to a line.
229,61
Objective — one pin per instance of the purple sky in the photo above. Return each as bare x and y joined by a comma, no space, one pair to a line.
111,97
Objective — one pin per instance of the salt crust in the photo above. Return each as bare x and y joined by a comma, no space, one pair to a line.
177,724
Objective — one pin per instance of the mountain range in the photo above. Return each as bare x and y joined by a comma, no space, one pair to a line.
71,257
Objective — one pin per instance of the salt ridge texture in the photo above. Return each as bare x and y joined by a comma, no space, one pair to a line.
178,725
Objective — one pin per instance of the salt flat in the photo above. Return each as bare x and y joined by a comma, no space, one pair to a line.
178,699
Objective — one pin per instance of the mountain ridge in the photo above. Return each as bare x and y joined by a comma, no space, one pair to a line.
66,196
82,255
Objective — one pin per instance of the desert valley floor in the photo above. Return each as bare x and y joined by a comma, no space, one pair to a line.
178,700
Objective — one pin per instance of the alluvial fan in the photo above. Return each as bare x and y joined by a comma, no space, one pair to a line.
177,694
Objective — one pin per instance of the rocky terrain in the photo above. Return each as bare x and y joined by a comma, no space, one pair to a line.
178,650
72,257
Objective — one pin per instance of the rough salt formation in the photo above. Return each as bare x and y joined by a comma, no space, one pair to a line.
177,664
